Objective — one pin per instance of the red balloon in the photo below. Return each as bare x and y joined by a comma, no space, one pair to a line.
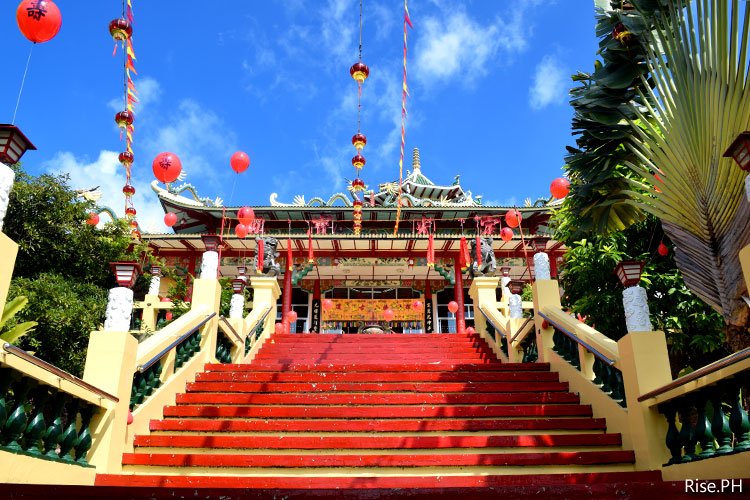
239,161
291,316
470,330
663,249
453,306
506,234
327,304
93,219
38,20
417,305
130,417
246,215
166,299
388,314
560,188
513,218
240,230
170,219
169,315
278,328
167,167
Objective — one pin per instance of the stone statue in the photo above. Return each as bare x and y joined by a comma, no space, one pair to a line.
270,267
489,264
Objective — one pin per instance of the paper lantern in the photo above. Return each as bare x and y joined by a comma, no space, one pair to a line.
168,316
663,249
358,161
453,306
278,328
359,72
120,29
246,215
513,218
126,158
291,316
93,219
359,141
327,304
130,212
124,119
470,330
128,190
38,20
170,219
239,162
506,234
560,188
388,314
417,305
166,167
240,230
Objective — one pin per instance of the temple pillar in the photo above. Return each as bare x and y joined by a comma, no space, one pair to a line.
316,304
286,304
553,265
429,311
459,297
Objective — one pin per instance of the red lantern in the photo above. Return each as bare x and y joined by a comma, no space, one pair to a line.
663,249
120,29
38,20
239,162
513,218
165,299
170,219
124,119
134,224
130,212
93,219
470,330
388,314
506,234
240,230
130,417
167,167
560,187
359,72
246,215
358,185
278,328
126,158
291,316
359,141
417,305
327,304
128,190
358,161
453,306
169,315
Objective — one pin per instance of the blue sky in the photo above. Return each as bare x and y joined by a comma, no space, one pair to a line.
488,81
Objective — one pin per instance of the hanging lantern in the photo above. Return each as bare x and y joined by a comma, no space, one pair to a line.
240,230
663,249
327,304
506,234
170,219
126,158
246,215
278,328
134,224
291,316
357,204
135,234
417,305
166,167
358,185
470,330
128,190
359,141
120,29
359,72
560,188
239,162
38,20
388,314
130,212
93,219
124,119
358,162
513,218
629,272
453,306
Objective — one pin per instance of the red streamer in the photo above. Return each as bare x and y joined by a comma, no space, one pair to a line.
310,254
259,255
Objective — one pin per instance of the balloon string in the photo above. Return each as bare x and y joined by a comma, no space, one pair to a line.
22,82
231,195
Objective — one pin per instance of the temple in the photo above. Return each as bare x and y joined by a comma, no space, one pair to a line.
367,272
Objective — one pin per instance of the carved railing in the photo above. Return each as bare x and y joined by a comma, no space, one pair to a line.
702,399
511,336
45,412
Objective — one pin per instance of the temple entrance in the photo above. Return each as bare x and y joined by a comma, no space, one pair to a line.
361,309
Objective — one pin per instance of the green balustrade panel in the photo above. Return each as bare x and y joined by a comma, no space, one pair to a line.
145,383
259,330
223,349
40,421
187,349
530,354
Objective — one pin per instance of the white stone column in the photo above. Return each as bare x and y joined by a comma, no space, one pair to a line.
635,300
155,285
541,266
747,193
119,309
504,284
516,307
6,184
209,265
237,306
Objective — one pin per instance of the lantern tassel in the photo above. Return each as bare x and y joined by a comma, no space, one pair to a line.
310,254
430,251
479,252
259,251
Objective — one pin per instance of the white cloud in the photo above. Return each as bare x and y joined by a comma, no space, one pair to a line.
549,83
148,91
107,172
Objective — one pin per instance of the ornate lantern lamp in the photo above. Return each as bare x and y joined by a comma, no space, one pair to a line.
358,162
126,273
238,285
359,141
539,243
359,72
516,286
739,150
211,242
13,144
155,270
505,270
241,270
629,272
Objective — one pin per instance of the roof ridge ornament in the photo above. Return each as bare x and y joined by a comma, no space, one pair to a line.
415,164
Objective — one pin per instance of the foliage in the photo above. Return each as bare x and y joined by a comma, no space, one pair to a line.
15,330
693,329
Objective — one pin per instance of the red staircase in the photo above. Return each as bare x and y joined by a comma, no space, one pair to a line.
373,412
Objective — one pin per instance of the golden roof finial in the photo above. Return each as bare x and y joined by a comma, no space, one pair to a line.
415,161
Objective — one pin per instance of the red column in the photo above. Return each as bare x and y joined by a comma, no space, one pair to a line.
286,304
552,265
459,297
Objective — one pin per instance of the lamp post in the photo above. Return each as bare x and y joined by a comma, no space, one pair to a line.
739,150
13,144
237,303
634,297
210,258
514,302
155,285
541,259
120,299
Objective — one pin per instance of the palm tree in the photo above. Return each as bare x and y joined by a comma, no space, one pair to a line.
698,61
